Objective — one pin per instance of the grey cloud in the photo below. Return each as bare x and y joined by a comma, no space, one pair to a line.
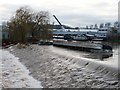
70,16
102,4
85,18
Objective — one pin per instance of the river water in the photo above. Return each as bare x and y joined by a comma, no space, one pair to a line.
88,55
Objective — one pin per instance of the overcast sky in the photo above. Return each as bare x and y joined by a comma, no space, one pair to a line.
69,12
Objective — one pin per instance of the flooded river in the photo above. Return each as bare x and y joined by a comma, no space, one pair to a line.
88,55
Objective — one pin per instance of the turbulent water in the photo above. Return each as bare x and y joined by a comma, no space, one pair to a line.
59,67
87,55
79,54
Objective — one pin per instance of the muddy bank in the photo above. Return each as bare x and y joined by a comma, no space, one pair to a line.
57,71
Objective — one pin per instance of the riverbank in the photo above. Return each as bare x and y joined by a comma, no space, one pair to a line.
61,71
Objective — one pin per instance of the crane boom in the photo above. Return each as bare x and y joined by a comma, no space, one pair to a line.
58,22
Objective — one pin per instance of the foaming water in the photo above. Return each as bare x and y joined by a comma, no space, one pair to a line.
112,61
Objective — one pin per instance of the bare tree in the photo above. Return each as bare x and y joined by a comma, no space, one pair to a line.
19,25
42,25
27,24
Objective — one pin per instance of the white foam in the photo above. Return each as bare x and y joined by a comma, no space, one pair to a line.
109,62
15,74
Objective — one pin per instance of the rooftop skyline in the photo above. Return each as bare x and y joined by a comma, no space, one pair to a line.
69,12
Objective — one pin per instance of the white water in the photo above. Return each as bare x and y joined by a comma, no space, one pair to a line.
111,61
15,74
